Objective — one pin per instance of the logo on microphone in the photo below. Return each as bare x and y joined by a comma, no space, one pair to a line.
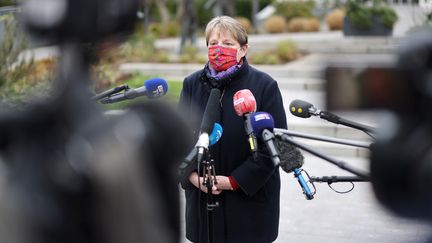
159,91
238,101
262,116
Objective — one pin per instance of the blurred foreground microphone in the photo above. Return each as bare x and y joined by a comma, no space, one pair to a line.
188,164
244,105
303,109
79,20
262,125
291,161
152,88
210,117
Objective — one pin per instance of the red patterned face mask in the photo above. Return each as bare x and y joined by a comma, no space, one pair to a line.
221,58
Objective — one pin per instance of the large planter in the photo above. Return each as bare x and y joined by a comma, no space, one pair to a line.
377,28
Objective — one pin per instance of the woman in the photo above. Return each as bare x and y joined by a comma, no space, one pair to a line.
247,189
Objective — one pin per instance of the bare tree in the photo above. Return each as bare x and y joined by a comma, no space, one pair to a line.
221,7
189,22
162,8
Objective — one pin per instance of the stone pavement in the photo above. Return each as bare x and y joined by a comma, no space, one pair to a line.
354,217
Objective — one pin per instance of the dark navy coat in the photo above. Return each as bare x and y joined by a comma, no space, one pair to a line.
251,213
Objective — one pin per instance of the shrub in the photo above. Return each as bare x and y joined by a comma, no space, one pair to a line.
172,29
246,24
155,29
275,24
292,9
303,25
20,78
387,15
313,25
258,58
361,15
189,54
272,59
287,50
335,19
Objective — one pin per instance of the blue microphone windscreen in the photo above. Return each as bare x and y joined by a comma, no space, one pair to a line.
156,87
260,121
216,134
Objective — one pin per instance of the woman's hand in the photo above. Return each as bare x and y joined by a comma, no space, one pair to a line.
193,178
223,183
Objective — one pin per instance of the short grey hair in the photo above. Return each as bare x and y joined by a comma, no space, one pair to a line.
227,23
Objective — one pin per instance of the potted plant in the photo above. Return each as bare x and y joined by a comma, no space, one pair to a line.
369,19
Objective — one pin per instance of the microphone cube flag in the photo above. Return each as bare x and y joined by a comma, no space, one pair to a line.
260,121
244,102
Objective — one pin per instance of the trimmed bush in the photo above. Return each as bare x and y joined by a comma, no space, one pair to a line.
293,9
275,24
335,19
170,29
287,50
303,25
246,24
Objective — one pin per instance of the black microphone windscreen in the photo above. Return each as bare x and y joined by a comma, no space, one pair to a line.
300,108
212,112
290,156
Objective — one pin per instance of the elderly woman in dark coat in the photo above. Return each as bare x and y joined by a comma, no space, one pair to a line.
247,189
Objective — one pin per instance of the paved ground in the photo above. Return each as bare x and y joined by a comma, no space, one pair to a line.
355,217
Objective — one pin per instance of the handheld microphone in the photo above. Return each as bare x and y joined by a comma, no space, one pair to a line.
152,88
291,161
244,105
262,125
186,167
109,92
304,109
210,117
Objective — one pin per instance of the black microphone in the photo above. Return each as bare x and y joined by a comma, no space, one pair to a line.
188,164
305,109
109,92
302,109
152,88
210,117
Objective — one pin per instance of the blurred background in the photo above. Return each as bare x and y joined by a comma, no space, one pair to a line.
294,42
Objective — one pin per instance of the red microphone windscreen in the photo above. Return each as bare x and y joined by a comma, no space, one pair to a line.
244,102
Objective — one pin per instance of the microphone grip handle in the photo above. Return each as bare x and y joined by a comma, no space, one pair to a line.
306,190
330,117
268,138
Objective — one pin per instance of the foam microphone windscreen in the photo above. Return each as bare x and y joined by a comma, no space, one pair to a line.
212,112
300,108
290,156
244,102
260,121
156,87
216,134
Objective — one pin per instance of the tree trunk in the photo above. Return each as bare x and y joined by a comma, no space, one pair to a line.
255,8
163,11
